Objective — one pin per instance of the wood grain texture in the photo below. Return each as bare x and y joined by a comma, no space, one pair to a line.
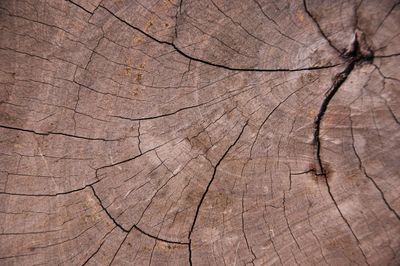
184,132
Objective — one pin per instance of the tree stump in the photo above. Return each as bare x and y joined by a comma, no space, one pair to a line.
215,132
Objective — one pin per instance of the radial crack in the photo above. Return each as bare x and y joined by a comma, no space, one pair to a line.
355,56
364,171
208,187
346,221
287,221
79,6
319,28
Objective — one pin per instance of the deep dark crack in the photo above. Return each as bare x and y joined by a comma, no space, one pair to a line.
124,115
356,55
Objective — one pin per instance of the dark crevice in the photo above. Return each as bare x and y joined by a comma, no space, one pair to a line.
178,50
190,252
353,57
338,81
356,55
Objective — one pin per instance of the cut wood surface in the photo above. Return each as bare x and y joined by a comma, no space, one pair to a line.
191,132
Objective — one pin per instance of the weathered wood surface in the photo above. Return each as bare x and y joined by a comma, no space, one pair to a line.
199,132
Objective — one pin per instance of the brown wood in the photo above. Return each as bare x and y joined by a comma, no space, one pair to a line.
215,132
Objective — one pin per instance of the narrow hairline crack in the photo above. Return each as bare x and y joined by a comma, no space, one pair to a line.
346,221
244,231
134,226
208,103
50,194
57,133
364,171
287,221
79,6
319,28
208,187
103,208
